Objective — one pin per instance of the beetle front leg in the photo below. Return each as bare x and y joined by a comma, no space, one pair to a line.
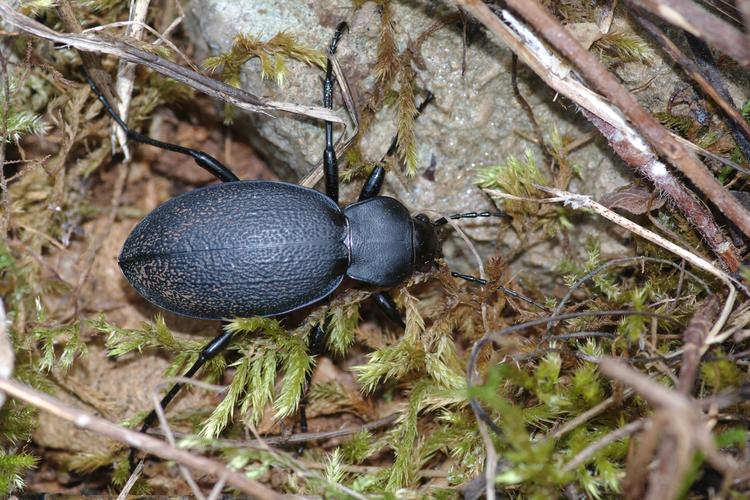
330,164
375,180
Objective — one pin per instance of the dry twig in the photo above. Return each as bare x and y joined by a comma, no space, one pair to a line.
597,73
92,63
170,439
131,482
306,437
676,416
626,141
7,356
4,114
613,436
138,440
214,88
125,79
695,336
689,16
695,345
694,72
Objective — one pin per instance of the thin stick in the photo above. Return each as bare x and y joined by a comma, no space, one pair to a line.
744,7
578,201
125,80
490,460
102,231
597,445
7,356
581,201
528,110
623,138
170,438
694,72
160,37
5,102
695,337
91,63
603,80
216,491
597,73
316,436
708,154
670,453
681,412
583,417
131,482
132,438
697,21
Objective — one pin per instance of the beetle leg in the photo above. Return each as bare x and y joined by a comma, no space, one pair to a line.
373,184
386,304
204,160
330,164
207,353
374,181
315,347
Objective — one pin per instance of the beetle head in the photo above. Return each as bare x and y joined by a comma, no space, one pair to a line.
427,246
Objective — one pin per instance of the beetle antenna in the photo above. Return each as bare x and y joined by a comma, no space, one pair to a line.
468,215
506,291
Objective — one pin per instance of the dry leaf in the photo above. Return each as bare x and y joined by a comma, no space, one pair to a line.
633,199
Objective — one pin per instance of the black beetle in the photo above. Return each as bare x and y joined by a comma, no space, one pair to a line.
261,248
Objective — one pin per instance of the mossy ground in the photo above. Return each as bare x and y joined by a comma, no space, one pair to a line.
82,334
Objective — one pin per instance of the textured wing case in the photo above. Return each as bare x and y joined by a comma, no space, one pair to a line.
238,249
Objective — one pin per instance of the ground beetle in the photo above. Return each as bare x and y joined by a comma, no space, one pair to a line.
262,248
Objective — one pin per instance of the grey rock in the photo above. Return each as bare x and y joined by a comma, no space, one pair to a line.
476,121
473,123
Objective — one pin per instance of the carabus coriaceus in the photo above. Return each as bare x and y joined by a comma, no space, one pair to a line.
262,248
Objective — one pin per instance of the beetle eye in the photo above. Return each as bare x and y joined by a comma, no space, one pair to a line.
422,217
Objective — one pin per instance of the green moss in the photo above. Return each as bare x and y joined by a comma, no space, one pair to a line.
535,384
271,53
618,47
721,373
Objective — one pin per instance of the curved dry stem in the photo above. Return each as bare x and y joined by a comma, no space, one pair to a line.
132,438
209,86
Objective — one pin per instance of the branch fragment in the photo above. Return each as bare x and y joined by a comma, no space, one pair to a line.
132,438
604,81
109,45
689,16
